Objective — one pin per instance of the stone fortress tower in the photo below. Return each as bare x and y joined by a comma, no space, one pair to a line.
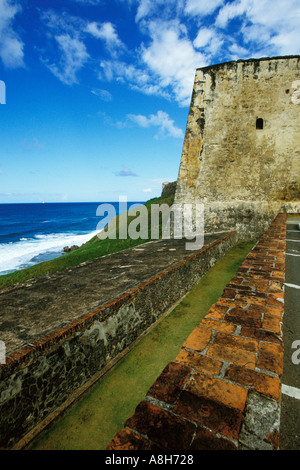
241,152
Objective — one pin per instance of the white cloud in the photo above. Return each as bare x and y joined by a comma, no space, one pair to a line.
172,59
73,58
287,43
102,94
167,9
230,11
140,120
137,77
65,30
106,32
272,13
202,7
271,25
165,66
203,38
143,9
238,52
70,34
11,52
179,36
11,46
161,120
90,2
125,172
254,32
208,39
261,28
63,22
163,9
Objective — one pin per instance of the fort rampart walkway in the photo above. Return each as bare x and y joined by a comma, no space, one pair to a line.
223,390
64,330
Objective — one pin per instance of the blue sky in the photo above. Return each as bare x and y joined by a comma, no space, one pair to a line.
98,91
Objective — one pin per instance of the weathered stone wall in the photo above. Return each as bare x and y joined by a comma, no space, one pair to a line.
42,376
169,189
243,175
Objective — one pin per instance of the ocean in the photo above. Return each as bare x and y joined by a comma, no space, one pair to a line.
32,233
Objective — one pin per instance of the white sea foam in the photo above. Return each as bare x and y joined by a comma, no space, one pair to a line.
17,255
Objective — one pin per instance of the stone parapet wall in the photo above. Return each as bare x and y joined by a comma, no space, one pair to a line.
249,218
43,376
223,390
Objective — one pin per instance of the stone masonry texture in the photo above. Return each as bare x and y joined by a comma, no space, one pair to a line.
223,389
243,175
54,364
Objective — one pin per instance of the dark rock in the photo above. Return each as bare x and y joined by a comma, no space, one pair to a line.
68,249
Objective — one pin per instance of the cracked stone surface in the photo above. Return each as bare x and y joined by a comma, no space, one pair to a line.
260,424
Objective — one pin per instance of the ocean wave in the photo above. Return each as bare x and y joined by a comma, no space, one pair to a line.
29,251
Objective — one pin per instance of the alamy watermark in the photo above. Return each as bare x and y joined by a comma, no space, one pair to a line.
296,354
2,353
2,92
179,221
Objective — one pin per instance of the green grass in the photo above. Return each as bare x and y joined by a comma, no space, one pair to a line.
94,419
93,249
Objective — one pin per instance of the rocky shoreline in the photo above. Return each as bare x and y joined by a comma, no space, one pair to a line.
68,249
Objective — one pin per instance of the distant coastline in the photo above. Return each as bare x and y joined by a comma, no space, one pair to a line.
89,250
31,233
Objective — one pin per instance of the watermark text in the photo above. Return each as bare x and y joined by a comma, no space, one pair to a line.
2,352
2,92
179,221
296,355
